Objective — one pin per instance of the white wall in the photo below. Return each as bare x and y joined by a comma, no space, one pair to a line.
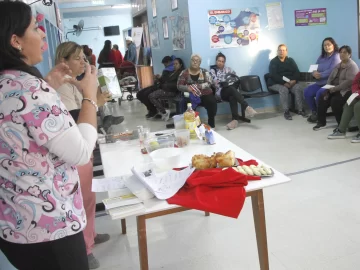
95,39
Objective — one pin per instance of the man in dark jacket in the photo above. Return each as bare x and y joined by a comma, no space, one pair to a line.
284,77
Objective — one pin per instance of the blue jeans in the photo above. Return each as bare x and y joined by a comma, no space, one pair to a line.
310,93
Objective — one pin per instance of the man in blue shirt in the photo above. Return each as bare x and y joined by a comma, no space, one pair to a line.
130,54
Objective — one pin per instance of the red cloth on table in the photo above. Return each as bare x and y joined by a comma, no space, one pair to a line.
215,190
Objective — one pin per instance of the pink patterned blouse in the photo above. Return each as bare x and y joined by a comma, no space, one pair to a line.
40,197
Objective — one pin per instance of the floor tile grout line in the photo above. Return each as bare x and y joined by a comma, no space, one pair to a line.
323,167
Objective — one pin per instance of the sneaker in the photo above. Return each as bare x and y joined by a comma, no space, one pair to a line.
232,125
287,115
151,115
302,113
158,116
166,115
93,262
337,134
101,238
116,120
250,112
356,139
319,126
313,118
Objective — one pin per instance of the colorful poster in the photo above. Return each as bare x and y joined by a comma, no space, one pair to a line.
310,17
275,15
233,27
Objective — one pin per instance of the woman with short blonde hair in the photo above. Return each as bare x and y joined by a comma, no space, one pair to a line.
72,54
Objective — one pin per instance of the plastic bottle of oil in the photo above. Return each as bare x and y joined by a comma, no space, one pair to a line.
190,124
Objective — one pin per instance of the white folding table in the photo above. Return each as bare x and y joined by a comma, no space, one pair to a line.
118,159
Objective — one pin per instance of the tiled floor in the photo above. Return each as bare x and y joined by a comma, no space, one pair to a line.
312,222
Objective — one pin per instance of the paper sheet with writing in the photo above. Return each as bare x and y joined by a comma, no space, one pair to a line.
313,68
328,86
165,185
351,98
107,184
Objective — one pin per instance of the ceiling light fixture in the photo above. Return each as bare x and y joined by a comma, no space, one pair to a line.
122,6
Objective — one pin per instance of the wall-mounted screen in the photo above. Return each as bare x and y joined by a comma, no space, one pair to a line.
111,31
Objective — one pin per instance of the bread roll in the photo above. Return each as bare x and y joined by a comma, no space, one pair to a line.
226,160
201,162
248,170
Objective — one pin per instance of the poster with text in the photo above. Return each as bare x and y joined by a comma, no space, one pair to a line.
154,35
275,15
310,17
233,27
178,32
137,34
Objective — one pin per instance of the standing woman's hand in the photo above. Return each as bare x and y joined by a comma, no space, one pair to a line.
88,84
59,75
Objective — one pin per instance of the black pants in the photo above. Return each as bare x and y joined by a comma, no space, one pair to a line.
67,253
210,104
336,101
143,96
231,95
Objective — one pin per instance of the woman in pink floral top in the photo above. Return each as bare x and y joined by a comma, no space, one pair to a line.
41,209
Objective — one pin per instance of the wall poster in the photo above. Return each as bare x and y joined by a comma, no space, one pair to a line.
178,32
165,27
154,35
233,27
275,15
310,17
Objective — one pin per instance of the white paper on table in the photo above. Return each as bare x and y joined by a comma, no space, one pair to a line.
165,185
328,86
138,188
351,98
286,79
107,184
313,68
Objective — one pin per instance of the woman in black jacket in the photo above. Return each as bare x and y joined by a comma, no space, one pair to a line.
168,89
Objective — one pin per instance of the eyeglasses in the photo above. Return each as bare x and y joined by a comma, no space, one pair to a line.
195,60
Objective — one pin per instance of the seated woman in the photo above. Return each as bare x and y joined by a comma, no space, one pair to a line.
341,79
168,90
197,81
229,93
72,54
349,112
143,94
326,62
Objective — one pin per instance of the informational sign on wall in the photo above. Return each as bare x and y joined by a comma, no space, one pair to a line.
275,15
154,35
233,27
178,32
310,17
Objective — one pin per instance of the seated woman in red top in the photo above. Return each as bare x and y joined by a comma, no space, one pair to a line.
118,56
107,56
349,112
